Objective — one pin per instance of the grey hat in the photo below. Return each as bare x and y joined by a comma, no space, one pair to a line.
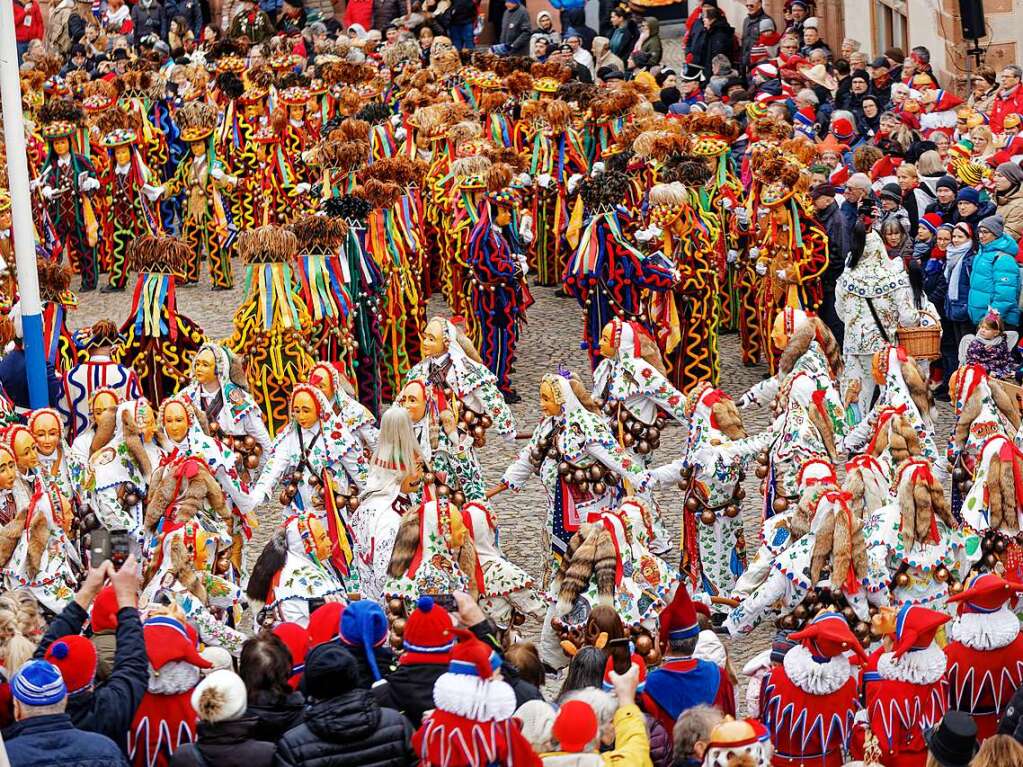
1012,172
994,224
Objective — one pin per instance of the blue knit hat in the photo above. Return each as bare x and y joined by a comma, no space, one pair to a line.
363,624
968,194
38,683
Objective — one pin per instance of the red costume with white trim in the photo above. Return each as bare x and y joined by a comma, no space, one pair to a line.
811,698
985,654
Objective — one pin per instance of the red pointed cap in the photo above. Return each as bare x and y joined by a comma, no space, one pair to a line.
167,640
915,628
678,619
472,657
828,636
325,623
296,639
987,593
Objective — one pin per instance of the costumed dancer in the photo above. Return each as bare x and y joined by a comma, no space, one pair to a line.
273,188
578,460
59,344
157,341
326,377
985,650
35,551
272,329
128,185
206,224
498,292
606,274
685,318
811,698
66,182
905,687
394,480
97,371
993,507
220,391
55,461
321,465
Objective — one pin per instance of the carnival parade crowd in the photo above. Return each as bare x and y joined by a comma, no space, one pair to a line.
848,217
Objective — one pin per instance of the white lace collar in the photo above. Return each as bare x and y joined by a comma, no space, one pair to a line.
990,631
813,677
916,666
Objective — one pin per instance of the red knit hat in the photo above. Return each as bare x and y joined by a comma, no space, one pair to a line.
104,611
168,640
932,221
472,657
987,593
637,660
915,628
678,619
827,636
427,637
325,623
575,726
296,639
75,658
842,129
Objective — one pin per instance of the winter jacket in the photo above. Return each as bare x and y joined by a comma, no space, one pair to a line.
835,226
652,45
149,21
276,715
1004,104
515,31
752,27
53,741
189,10
632,747
1010,208
994,281
958,309
717,39
623,39
661,745
109,708
28,21
935,284
225,744
409,689
984,210
58,37
350,729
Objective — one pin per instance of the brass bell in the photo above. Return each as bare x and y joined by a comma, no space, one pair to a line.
731,511
780,504
708,517
692,503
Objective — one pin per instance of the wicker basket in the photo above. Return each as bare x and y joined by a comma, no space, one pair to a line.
922,343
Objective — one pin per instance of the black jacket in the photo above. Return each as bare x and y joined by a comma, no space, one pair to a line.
751,33
717,39
516,30
1010,722
276,716
109,708
225,744
409,689
190,10
148,21
52,741
350,729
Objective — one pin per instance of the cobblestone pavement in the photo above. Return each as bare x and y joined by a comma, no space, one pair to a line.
551,336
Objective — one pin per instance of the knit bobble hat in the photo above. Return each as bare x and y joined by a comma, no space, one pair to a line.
220,697
324,622
296,639
931,221
947,182
363,624
75,658
103,615
575,726
994,224
968,194
427,637
38,683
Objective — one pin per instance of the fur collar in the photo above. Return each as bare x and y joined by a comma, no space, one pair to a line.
813,677
176,677
990,631
916,667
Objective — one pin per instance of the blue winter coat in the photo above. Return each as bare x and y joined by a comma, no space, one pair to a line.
52,741
994,281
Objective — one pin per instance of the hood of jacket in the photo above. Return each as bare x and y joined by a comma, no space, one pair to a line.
228,732
654,25
353,716
276,715
1003,243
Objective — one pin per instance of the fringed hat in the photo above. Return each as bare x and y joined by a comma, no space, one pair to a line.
267,244
293,96
319,235
196,120
159,255
119,137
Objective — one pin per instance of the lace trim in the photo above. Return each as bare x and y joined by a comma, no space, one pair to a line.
813,677
990,631
916,667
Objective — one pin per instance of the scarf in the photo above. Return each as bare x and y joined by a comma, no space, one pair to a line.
954,257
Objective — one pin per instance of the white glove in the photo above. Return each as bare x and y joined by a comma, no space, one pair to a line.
302,187
153,193
400,134
573,181
754,252
526,228
732,256
395,120
781,274
544,180
90,185
34,184
523,179
760,268
651,232
82,177
523,263
307,156
218,174
742,216
726,203
598,168
48,192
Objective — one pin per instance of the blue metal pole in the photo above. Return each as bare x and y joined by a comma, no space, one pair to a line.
21,211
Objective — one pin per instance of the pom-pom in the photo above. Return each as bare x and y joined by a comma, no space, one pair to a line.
425,604
59,650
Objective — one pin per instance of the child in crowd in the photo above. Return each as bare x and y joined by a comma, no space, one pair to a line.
990,348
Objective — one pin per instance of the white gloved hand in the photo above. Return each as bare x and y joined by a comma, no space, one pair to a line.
544,180
400,134
153,193
573,181
781,274
727,203
523,263
754,252
48,192
82,176
732,256
90,185
760,268
395,120
651,232
598,168
218,174
742,216
302,187
526,228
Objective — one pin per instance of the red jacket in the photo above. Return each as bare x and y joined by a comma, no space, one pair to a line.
28,21
981,682
1004,104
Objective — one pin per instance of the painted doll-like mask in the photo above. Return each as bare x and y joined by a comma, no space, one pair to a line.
102,402
205,367
304,410
549,403
433,344
46,430
26,454
413,399
122,155
61,146
146,420
322,380
8,469
198,148
175,421
607,341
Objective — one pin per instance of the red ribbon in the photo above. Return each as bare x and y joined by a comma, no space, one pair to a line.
883,417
